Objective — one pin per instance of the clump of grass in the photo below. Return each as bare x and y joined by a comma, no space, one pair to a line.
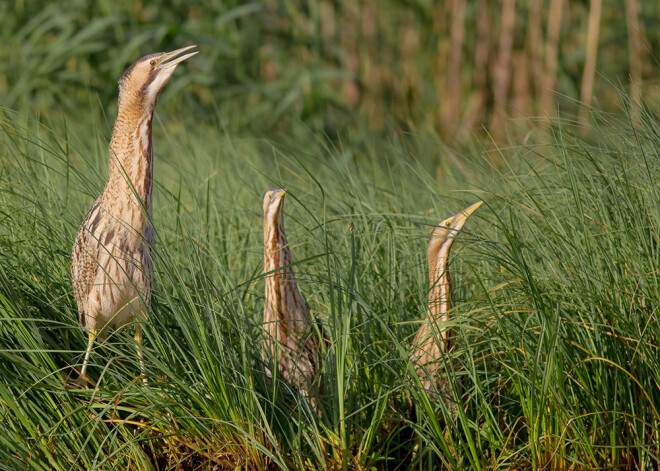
555,359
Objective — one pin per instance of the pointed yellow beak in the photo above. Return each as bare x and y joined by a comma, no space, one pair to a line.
471,209
278,193
459,220
168,60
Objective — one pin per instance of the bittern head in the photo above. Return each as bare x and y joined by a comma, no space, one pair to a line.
273,204
143,81
445,232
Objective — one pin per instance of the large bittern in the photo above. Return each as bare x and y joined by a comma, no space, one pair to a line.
111,264
290,337
432,339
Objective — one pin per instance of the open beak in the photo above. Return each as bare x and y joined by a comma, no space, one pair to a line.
169,60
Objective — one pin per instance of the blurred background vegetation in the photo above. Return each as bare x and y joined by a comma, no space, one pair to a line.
456,68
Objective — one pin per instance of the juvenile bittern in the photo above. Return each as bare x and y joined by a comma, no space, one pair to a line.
111,265
432,339
290,338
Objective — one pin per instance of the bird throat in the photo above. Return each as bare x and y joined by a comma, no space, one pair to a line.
440,284
277,252
281,289
130,169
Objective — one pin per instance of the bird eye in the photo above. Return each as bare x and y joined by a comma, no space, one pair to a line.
448,224
152,62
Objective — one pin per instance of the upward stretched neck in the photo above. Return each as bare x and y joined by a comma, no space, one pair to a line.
131,157
277,253
439,281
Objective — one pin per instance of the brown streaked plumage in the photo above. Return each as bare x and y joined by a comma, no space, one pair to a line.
432,338
111,265
290,338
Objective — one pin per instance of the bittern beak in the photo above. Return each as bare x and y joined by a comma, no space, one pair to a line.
278,193
458,220
470,210
449,228
168,60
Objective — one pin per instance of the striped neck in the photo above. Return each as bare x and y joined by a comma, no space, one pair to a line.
283,299
276,250
439,281
131,156
440,293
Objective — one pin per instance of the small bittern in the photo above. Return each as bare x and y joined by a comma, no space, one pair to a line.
111,263
432,338
290,337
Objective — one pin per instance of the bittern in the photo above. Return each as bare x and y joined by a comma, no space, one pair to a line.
432,338
111,263
290,337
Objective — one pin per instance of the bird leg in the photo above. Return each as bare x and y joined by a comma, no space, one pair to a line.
93,333
138,346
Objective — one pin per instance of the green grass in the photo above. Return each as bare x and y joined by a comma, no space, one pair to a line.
556,286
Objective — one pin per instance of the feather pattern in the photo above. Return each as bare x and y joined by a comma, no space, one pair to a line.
290,337
432,340
111,264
